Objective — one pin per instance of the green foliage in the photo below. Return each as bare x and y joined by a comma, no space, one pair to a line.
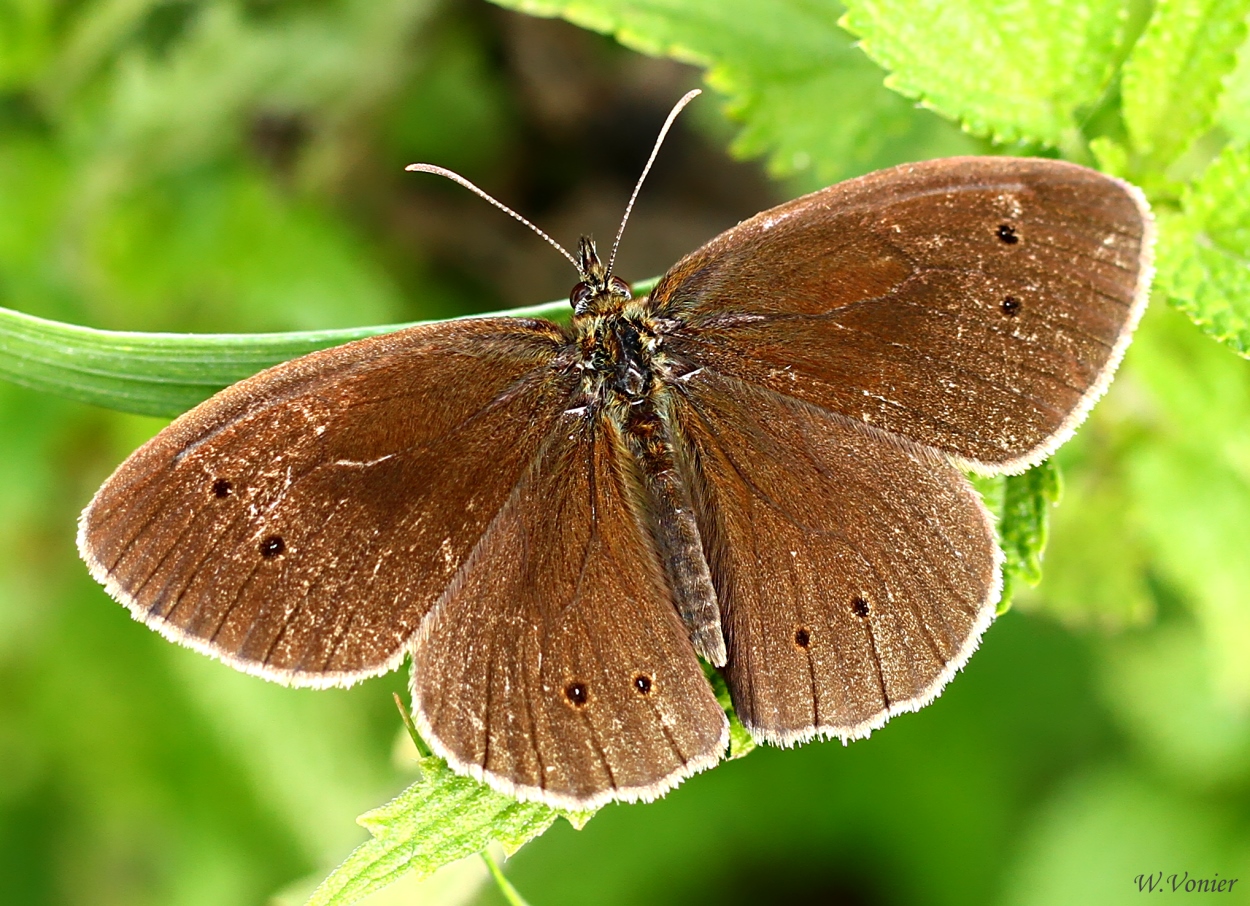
1190,485
1161,471
1027,70
441,818
1233,112
1204,251
177,165
1021,507
740,742
805,96
1174,77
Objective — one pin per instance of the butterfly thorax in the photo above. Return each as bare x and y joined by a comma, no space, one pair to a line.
616,355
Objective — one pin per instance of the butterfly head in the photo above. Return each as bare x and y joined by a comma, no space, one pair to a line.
598,292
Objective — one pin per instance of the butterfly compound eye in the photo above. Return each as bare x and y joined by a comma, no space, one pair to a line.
580,296
620,287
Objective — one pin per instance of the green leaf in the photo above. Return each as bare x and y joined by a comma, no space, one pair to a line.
1204,252
162,374
1110,155
1025,518
1234,112
1020,70
777,63
1174,77
740,741
1021,505
1157,495
439,819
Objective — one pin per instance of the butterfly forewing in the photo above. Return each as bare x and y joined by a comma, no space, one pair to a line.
301,523
557,667
855,574
974,305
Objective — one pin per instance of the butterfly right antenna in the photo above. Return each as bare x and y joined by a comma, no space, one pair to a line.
655,149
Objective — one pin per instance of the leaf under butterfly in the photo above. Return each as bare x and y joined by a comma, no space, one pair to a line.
1021,506
441,818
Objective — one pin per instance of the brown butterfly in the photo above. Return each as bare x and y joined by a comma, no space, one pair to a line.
759,464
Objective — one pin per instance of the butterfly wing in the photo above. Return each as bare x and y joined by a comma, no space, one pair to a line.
855,573
300,524
556,666
974,305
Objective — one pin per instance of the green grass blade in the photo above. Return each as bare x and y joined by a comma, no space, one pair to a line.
164,374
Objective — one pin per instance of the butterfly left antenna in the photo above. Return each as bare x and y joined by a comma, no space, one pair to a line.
672,115
456,177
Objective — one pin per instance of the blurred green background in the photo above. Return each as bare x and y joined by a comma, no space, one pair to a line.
237,165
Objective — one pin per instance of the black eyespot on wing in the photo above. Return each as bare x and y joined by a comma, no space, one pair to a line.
1010,306
222,488
802,637
272,547
860,607
576,694
642,683
1007,233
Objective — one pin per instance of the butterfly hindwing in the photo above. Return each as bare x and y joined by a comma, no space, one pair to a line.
855,574
556,666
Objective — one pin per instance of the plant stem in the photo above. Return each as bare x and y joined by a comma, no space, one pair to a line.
422,749
510,893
